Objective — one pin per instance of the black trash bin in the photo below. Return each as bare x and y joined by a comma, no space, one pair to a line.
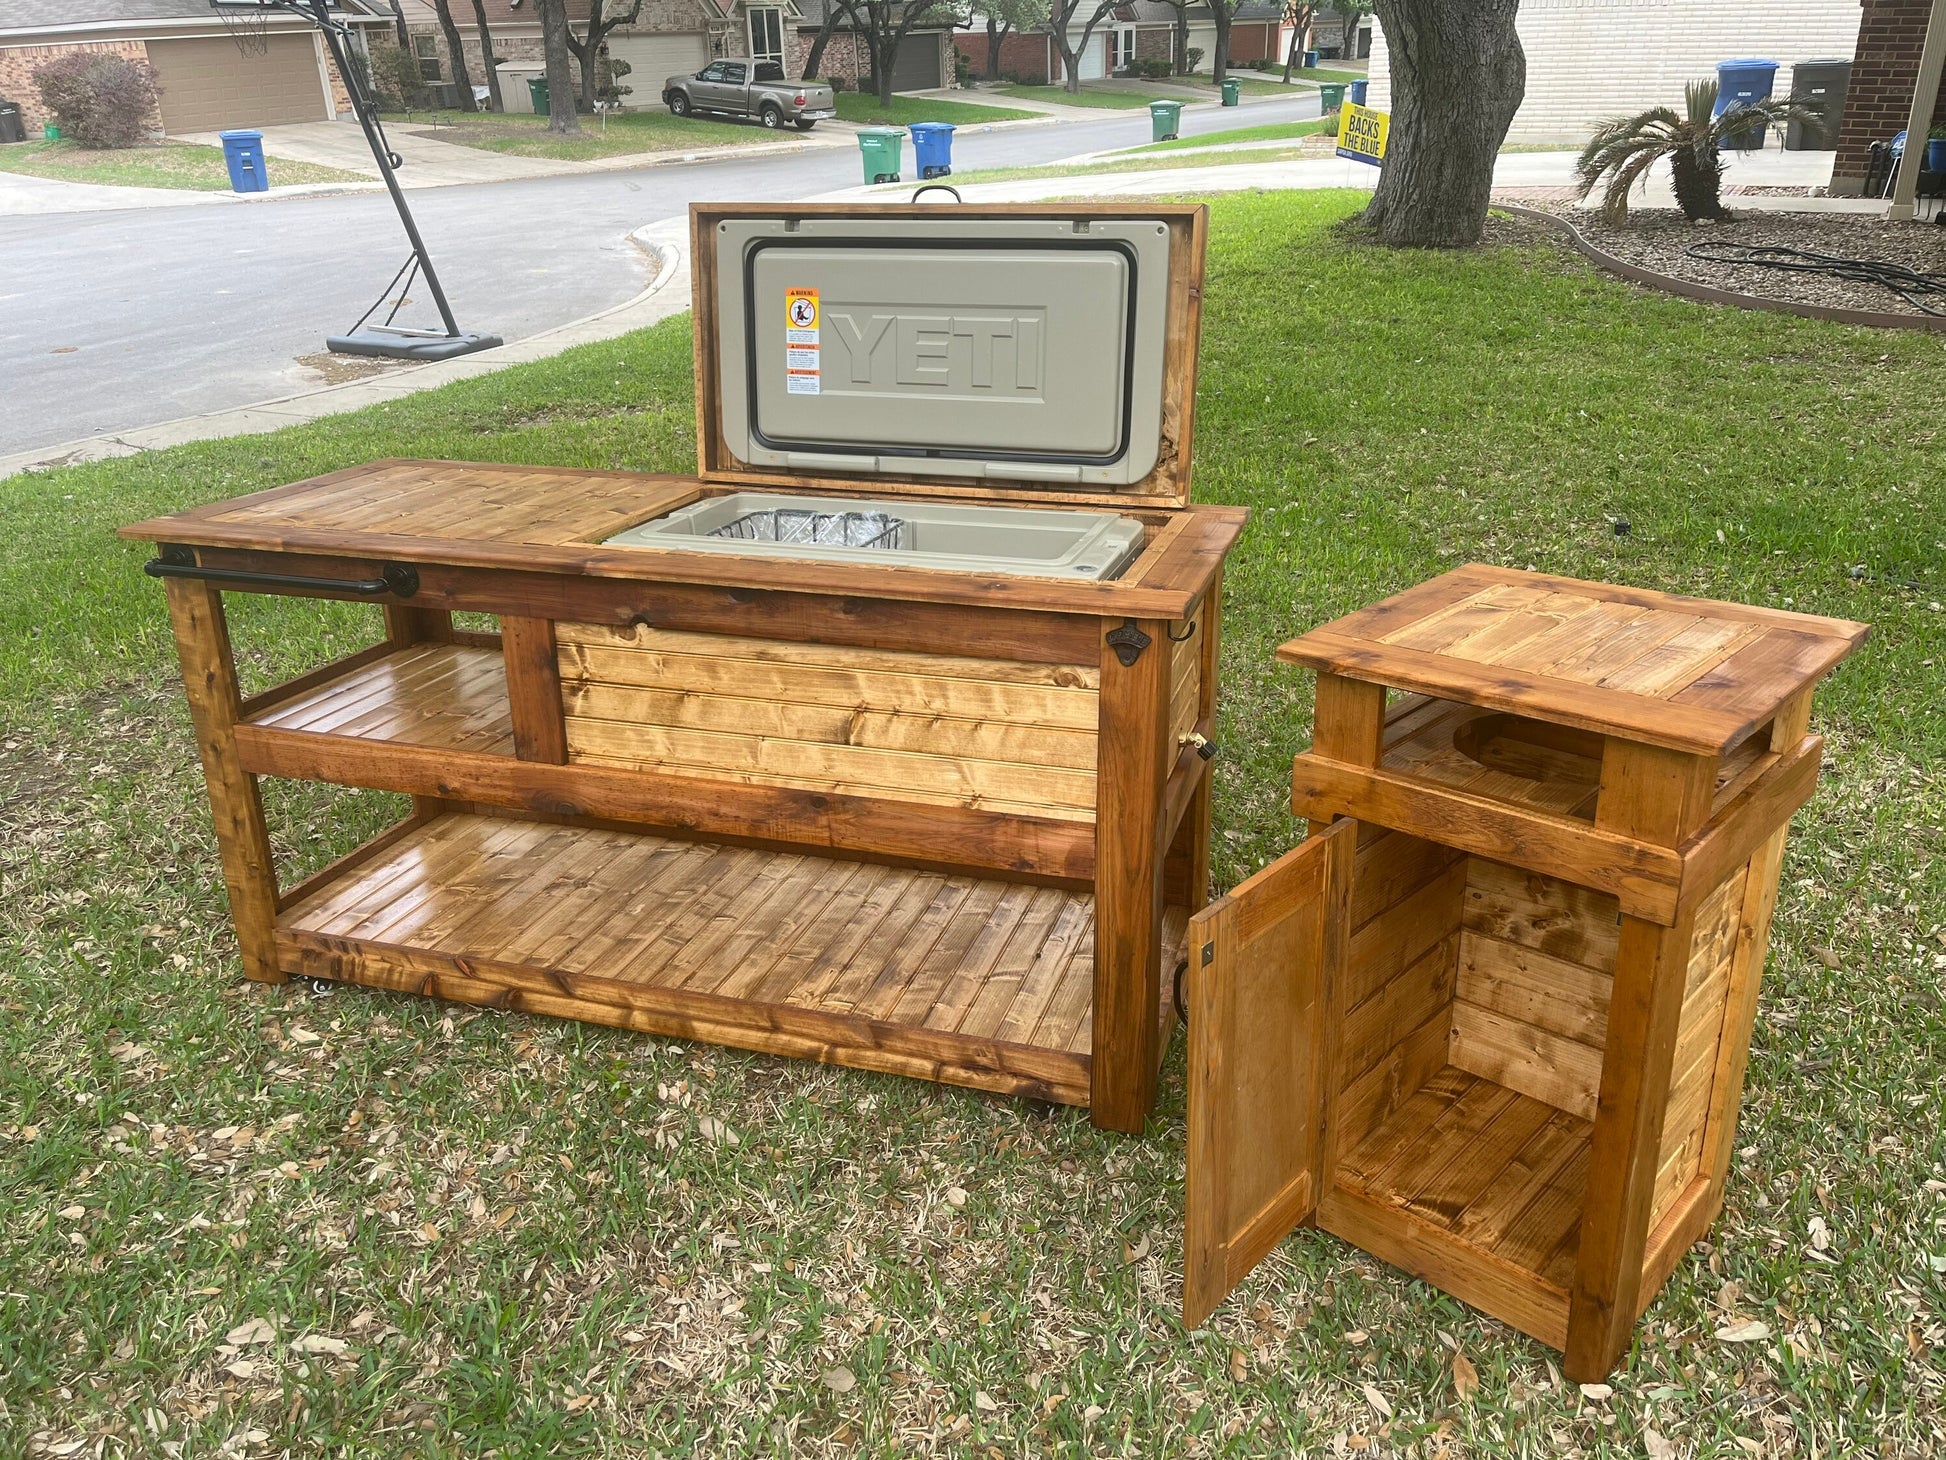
11,127
1819,84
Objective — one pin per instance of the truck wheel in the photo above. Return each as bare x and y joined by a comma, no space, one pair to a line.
804,124
771,116
678,104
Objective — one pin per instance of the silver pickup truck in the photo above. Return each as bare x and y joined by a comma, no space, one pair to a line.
743,87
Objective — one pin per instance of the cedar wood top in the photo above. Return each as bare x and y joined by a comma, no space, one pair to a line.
1687,674
555,519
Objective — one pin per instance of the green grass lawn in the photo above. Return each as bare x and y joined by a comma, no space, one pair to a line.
903,111
1090,96
1133,162
239,1220
627,133
1269,132
163,165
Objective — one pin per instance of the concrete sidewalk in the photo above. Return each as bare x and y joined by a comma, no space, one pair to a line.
22,195
433,163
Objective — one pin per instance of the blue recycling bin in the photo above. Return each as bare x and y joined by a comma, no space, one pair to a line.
1741,83
243,152
1310,60
932,148
1358,92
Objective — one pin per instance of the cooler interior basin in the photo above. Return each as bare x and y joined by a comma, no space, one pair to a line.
1047,543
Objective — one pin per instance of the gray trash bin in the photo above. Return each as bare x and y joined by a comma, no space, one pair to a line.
1820,84
12,129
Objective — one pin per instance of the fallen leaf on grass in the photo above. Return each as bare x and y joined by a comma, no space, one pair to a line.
257,1330
1597,1393
984,1401
839,1381
714,1130
319,1343
241,1369
1466,1378
72,1214
1655,1446
1748,1330
955,1196
1239,1365
1377,1400
1136,1251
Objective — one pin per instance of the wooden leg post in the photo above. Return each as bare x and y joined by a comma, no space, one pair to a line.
534,689
1660,796
1134,759
209,678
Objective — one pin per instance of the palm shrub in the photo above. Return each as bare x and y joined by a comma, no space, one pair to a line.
1624,149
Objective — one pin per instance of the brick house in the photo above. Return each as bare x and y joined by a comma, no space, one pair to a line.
669,38
1135,30
1885,69
208,82
924,61
1589,60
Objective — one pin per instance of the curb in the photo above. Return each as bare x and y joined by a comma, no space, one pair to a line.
670,260
1709,294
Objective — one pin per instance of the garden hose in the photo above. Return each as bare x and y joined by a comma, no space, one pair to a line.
1908,284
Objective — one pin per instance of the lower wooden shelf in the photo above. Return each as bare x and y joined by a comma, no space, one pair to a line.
1476,1188
971,981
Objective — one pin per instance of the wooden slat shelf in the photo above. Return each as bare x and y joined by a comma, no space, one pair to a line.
1496,1177
449,696
977,982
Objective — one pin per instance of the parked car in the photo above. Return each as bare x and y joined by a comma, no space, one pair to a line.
743,87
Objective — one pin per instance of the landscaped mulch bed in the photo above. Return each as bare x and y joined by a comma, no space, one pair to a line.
1659,239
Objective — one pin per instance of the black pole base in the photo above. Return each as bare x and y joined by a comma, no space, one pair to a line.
407,347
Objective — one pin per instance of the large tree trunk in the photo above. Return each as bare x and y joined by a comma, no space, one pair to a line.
1182,38
1299,25
1222,12
996,38
560,75
1458,74
486,56
456,49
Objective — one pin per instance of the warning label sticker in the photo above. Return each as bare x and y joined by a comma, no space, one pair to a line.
801,341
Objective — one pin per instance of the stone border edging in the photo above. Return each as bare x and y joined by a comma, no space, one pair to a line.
1709,294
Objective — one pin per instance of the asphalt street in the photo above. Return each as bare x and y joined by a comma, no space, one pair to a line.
115,320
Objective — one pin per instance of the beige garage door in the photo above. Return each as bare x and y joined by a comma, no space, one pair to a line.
208,85
655,58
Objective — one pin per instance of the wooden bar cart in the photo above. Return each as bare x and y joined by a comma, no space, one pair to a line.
1490,1021
943,823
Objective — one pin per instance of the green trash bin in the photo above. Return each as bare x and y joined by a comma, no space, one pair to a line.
879,146
1165,117
1331,96
537,93
51,132
1232,91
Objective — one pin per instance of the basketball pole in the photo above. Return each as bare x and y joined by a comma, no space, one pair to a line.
386,339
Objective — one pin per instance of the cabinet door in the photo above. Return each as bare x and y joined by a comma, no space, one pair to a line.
1261,962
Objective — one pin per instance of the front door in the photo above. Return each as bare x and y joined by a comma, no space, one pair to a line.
1261,964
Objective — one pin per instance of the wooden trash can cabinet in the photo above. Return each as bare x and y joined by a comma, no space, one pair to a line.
941,822
1490,1021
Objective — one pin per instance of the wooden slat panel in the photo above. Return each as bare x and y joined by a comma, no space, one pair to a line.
606,917
1564,998
1562,1072
892,729
1544,913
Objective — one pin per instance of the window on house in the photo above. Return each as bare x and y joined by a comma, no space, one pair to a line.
426,49
767,34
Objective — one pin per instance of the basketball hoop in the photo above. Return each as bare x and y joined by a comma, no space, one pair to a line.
248,25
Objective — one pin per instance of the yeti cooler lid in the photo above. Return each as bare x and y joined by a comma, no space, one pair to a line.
1041,354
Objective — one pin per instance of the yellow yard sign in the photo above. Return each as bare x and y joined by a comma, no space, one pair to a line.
1362,132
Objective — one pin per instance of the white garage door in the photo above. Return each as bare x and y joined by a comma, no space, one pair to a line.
655,58
1092,63
208,85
